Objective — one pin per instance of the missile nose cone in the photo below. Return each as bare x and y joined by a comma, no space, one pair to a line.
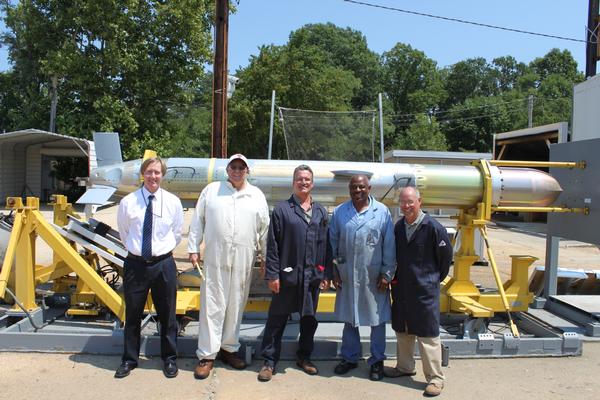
527,187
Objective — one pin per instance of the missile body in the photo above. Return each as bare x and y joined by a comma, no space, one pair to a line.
440,185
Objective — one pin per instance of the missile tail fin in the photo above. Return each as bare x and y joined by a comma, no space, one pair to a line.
97,195
107,148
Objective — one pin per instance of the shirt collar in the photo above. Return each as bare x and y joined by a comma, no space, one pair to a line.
230,186
146,194
417,221
297,199
371,206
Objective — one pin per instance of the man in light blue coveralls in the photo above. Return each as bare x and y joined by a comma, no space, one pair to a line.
362,242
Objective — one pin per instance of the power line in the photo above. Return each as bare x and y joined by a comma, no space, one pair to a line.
435,113
462,21
407,117
508,111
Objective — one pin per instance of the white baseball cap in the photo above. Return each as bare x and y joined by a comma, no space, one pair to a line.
238,156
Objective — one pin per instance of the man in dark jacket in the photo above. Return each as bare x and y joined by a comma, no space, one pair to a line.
423,254
295,271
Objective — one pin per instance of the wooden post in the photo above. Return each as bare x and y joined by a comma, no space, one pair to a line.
592,39
219,120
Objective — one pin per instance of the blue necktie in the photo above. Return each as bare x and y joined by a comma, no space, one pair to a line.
147,231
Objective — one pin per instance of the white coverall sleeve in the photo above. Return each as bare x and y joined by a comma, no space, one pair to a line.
196,231
263,226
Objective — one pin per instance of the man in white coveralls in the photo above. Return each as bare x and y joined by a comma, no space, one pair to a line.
232,219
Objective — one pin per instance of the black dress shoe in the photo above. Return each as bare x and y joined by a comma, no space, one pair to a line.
376,373
344,366
124,369
170,369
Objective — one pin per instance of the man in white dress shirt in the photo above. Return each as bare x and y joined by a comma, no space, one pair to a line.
150,222
232,219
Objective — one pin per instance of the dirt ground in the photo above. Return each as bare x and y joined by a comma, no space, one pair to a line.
90,377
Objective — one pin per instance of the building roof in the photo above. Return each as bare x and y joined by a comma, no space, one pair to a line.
442,155
533,131
36,136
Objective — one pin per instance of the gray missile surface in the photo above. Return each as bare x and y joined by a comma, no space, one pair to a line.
440,185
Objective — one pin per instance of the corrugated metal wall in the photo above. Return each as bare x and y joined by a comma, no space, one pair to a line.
21,159
33,173
5,174
13,166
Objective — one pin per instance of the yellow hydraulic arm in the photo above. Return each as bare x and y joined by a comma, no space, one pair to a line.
21,249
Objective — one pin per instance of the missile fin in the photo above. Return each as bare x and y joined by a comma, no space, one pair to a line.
107,148
97,195
348,173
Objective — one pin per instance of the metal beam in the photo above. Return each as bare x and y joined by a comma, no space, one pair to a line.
591,56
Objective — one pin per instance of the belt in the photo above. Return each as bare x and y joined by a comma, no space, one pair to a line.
151,260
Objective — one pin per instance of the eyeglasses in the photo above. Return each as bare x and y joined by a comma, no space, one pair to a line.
234,168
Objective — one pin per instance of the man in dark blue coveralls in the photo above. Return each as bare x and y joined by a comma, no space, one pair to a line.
295,271
423,256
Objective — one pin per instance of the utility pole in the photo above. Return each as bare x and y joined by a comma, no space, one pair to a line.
53,104
219,117
381,144
530,111
591,53
270,151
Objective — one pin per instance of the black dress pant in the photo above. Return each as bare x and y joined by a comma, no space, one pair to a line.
161,279
271,343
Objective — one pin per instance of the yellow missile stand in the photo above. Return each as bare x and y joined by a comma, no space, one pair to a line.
458,293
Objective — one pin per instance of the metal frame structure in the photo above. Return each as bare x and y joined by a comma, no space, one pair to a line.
581,190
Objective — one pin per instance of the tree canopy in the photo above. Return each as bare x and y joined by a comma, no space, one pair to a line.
120,65
138,67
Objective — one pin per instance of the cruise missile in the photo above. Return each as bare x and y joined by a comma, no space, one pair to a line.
443,186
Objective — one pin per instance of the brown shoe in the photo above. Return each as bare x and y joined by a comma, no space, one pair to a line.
203,368
266,373
232,359
307,366
393,372
433,389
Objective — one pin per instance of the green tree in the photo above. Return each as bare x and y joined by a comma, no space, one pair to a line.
470,78
412,85
347,49
121,64
423,134
302,77
553,100
470,126
556,62
507,72
8,101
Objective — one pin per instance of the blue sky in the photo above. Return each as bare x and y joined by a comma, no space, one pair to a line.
263,22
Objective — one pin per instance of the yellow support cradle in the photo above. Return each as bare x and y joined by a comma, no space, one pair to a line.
28,224
458,292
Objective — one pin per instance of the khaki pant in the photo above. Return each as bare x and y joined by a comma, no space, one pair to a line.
430,349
